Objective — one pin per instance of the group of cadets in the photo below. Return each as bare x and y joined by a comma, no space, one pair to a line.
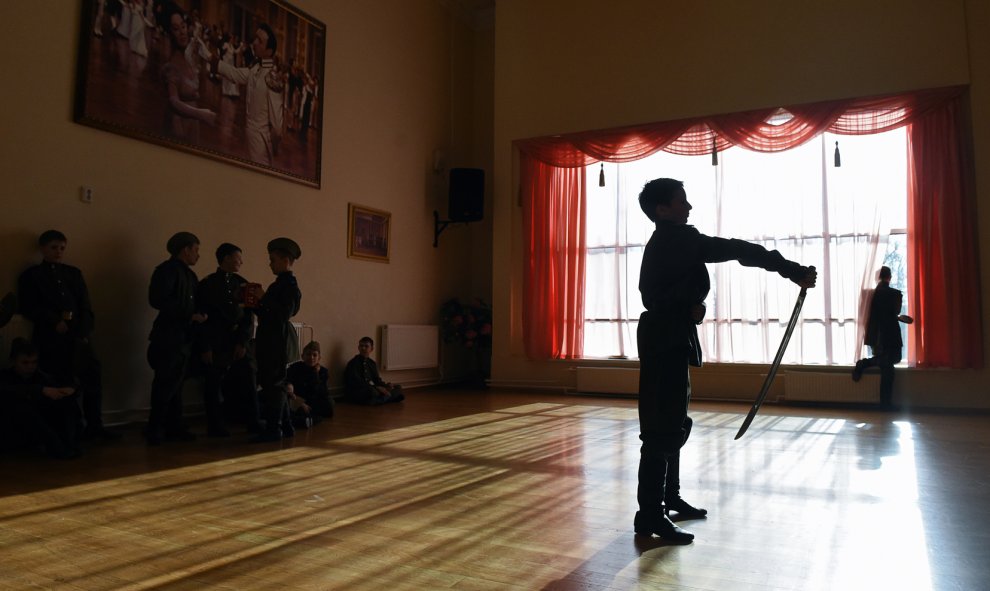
234,334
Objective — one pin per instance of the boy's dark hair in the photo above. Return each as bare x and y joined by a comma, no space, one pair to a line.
21,347
885,272
180,240
224,250
368,340
658,192
49,236
272,43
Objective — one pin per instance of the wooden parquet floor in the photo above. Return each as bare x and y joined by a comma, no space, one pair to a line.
458,489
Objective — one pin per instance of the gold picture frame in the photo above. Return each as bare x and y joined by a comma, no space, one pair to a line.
368,233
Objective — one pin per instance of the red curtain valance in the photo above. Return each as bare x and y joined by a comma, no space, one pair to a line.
944,264
748,129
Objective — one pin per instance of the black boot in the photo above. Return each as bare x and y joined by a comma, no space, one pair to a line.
683,509
662,526
268,436
99,432
672,500
217,430
857,372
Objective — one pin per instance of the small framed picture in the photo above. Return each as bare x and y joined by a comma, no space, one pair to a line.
368,233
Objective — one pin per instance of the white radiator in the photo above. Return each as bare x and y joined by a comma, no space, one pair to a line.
808,386
607,380
410,346
304,334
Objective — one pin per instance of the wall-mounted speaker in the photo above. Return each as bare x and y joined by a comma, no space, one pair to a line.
467,195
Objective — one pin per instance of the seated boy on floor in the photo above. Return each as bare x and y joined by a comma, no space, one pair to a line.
33,410
311,382
363,383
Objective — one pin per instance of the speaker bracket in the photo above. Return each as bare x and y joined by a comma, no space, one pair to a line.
438,226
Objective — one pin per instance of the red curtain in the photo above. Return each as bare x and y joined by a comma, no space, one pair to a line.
554,230
943,252
942,243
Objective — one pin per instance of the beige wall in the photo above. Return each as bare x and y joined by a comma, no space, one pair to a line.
390,83
572,65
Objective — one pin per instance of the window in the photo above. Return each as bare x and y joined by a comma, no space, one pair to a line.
845,220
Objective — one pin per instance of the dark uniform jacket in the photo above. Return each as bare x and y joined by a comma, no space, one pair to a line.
312,386
51,292
227,322
883,333
361,377
673,278
26,414
173,293
276,342
13,387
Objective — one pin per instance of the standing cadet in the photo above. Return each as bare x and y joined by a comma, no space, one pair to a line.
883,336
674,284
53,296
276,342
173,293
227,324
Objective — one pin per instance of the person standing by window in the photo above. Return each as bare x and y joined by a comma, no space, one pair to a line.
883,336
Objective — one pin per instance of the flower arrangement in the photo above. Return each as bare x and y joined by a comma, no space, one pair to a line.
467,324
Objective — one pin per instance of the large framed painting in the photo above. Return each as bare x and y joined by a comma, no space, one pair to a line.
239,81
368,233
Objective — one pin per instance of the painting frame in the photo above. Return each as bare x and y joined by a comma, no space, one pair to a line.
368,233
131,62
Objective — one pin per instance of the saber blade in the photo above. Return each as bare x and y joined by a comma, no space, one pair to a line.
776,363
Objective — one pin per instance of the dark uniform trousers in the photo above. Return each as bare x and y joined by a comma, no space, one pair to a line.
172,293
885,358
276,344
664,393
169,362
273,401
883,336
227,324
240,392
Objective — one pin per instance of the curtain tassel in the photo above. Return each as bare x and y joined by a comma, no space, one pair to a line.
601,176
838,158
714,152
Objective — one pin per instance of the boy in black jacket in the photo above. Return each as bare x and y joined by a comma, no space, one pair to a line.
173,293
363,383
276,342
674,284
